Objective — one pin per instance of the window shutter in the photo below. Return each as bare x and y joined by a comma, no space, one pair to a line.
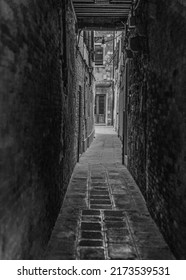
98,55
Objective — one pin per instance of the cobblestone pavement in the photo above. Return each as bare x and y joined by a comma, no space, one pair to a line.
104,215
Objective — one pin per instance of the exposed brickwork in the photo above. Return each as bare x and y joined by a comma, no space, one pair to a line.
38,139
137,124
157,124
85,87
31,101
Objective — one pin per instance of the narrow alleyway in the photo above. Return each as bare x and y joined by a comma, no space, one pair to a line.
64,67
104,215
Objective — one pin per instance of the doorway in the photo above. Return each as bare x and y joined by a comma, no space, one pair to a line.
100,109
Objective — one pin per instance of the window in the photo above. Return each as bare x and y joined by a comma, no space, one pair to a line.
102,104
98,55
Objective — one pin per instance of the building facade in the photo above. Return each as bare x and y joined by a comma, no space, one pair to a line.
103,110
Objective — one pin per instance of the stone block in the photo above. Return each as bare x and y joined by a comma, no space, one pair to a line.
114,213
92,254
118,252
91,226
91,243
90,212
91,235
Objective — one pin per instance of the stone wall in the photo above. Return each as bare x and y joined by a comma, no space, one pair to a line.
157,121
38,139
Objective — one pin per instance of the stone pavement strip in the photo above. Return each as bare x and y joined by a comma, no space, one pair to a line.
104,215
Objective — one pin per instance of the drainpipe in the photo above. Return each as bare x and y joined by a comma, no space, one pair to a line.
113,81
123,139
79,123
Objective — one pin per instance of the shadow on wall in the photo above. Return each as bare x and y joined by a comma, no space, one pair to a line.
157,125
36,125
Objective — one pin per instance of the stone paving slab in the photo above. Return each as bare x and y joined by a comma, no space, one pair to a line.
104,215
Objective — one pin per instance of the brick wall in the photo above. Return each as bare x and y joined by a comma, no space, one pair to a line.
69,96
85,85
137,123
37,121
157,122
